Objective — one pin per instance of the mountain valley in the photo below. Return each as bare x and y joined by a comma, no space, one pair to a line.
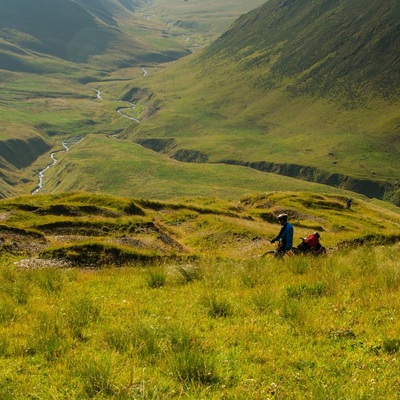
241,99
147,149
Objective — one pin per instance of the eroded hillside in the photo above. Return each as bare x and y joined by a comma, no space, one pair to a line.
83,230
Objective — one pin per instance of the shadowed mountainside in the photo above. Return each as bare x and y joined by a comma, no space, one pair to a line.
58,27
76,31
322,47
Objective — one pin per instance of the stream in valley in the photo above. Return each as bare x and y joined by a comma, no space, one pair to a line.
66,147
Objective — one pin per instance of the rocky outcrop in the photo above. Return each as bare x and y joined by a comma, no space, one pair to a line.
370,188
194,156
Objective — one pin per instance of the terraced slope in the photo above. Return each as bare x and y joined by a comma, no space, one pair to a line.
89,230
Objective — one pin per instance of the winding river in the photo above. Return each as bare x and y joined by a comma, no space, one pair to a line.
66,147
73,141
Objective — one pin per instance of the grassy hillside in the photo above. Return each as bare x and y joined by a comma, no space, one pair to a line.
212,329
105,34
88,229
53,27
109,297
134,171
334,49
251,98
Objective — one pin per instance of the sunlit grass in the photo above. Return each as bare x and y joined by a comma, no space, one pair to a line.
134,171
282,334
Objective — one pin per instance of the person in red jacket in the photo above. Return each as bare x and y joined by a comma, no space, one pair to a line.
312,241
311,244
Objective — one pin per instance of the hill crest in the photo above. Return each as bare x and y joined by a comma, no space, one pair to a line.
87,230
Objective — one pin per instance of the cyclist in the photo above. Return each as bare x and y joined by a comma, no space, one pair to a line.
285,236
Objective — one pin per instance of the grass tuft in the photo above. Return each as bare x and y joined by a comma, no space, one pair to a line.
195,367
156,277
218,307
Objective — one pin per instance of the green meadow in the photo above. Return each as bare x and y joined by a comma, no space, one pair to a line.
134,171
212,329
106,297
234,121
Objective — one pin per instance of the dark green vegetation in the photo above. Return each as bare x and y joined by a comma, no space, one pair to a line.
119,298
102,33
335,49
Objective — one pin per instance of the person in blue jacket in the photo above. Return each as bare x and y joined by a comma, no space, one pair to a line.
285,235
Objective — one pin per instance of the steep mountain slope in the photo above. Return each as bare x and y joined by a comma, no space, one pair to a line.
304,88
109,11
76,31
323,47
55,27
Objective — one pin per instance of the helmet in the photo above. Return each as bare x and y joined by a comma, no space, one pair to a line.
317,234
283,217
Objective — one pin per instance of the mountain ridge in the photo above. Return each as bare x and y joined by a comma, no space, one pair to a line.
66,22
331,42
77,31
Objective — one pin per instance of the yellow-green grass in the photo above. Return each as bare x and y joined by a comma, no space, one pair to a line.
191,226
299,328
65,110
